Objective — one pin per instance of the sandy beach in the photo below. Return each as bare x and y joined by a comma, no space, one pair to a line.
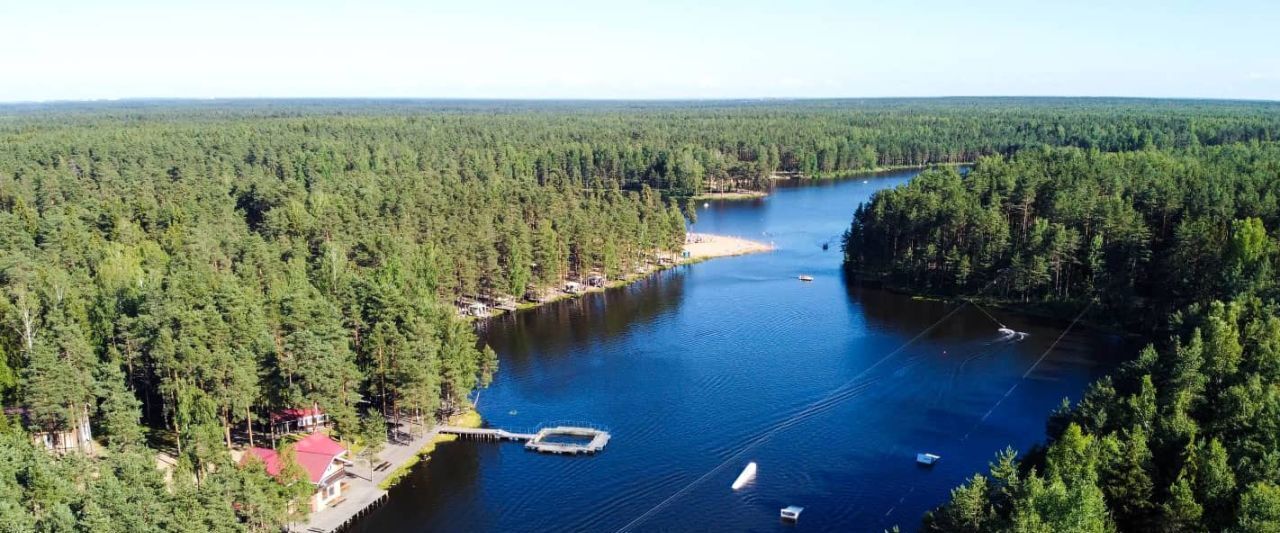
705,246
731,195
701,247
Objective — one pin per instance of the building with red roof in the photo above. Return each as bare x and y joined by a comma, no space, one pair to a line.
270,459
297,419
324,460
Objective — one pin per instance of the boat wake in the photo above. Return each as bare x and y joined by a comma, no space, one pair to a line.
1007,334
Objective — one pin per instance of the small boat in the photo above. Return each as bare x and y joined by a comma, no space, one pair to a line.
791,513
806,277
825,245
748,474
927,458
1006,331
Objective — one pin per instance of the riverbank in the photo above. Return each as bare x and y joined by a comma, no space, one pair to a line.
842,174
699,247
733,195
363,493
1058,311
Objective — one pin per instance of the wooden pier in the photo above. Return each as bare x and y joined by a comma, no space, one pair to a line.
485,433
539,442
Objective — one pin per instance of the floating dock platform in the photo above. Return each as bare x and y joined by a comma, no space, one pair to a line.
593,439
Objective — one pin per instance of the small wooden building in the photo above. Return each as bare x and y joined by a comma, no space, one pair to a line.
76,438
595,280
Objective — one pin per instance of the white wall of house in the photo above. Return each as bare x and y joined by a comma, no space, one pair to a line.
331,484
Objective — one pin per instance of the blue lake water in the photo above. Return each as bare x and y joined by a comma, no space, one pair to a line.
691,366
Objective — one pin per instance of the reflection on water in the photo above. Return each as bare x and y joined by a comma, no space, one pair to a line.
687,367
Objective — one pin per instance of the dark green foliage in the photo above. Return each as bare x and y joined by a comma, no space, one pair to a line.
1208,464
180,272
124,492
179,279
1182,438
1145,232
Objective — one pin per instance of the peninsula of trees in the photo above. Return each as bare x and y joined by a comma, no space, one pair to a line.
1177,244
174,273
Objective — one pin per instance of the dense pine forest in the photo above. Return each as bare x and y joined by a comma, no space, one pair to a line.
1145,232
176,272
1178,244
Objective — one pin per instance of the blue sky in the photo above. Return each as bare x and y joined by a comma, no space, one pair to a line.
74,49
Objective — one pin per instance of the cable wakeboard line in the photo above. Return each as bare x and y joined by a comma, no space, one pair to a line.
1033,367
1013,387
836,396
984,311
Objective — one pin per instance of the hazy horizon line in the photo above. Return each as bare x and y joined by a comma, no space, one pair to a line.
128,99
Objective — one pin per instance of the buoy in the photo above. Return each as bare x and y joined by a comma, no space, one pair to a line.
706,204
748,474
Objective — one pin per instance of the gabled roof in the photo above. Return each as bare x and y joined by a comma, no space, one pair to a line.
294,414
269,457
314,453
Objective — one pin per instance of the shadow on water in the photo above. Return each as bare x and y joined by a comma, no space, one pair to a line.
548,330
462,470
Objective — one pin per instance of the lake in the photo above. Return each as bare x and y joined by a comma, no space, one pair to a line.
691,366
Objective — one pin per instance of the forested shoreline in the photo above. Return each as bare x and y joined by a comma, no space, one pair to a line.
178,272
1145,232
1178,245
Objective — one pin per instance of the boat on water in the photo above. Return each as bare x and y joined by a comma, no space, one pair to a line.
927,459
791,513
748,474
1007,333
806,277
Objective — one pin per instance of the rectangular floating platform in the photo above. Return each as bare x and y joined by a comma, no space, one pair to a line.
791,513
539,442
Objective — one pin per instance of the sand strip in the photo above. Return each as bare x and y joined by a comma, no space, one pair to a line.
705,246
